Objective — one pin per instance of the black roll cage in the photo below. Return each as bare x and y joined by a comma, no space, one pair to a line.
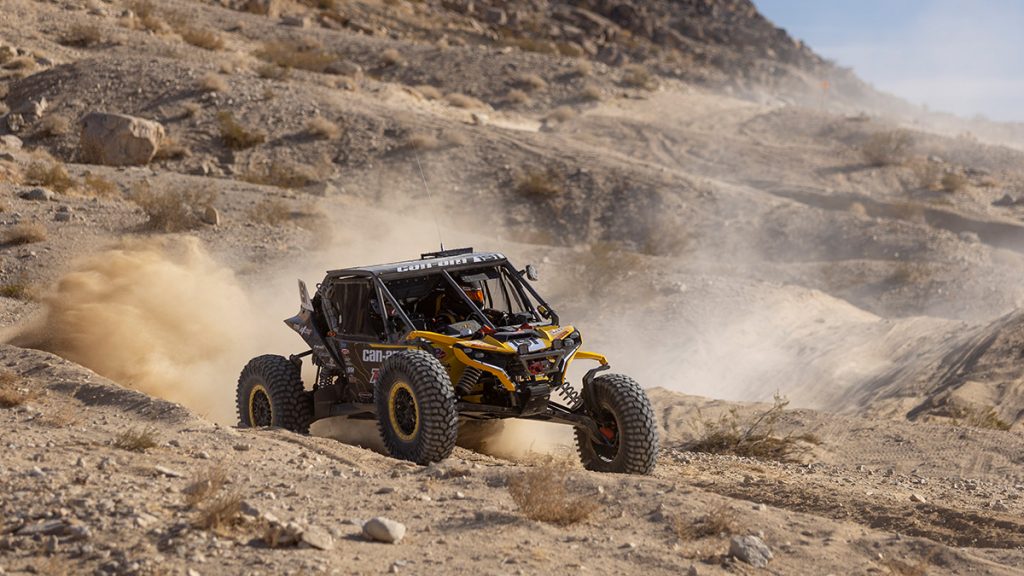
384,295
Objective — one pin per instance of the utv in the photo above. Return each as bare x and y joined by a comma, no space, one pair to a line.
457,334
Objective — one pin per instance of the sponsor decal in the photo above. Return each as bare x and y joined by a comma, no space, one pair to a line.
377,356
374,375
428,264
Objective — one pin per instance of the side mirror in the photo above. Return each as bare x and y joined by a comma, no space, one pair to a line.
531,273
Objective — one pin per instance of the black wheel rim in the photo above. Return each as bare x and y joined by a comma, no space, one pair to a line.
608,429
262,415
405,412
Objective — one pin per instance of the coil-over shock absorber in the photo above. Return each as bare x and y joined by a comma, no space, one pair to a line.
468,381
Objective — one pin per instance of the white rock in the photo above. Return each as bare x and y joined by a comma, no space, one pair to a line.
11,142
318,538
168,472
751,550
119,140
917,498
384,530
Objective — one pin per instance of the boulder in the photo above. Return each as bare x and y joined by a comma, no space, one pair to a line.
751,550
10,142
384,530
119,140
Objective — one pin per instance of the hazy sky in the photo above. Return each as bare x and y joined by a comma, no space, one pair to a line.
959,56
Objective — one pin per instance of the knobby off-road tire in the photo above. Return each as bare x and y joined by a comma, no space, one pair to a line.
416,411
270,393
624,410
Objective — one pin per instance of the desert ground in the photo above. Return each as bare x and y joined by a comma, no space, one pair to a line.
818,284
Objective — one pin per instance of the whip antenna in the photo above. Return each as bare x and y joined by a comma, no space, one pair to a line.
430,199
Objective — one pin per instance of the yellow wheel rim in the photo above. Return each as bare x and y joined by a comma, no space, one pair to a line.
257,389
401,406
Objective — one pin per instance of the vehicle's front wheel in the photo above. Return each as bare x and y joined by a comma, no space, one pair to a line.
270,393
629,443
416,411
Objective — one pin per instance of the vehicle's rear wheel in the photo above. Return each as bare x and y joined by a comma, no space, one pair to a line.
270,393
416,411
626,422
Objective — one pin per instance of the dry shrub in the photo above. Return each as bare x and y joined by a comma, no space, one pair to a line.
453,138
11,392
391,57
83,35
18,290
901,568
24,233
978,418
271,71
591,93
463,101
49,172
561,114
137,439
271,211
638,76
953,182
320,127
97,185
53,125
719,521
148,17
752,437
539,183
531,82
23,63
300,55
283,175
213,82
583,68
929,175
517,97
887,148
62,416
206,484
202,38
173,210
236,136
546,493
422,142
191,109
220,513
171,148
429,92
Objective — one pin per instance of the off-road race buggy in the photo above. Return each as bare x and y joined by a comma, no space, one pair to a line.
456,335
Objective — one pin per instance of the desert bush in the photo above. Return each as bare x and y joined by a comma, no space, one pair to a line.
171,148
83,35
421,141
271,71
517,97
18,290
300,55
887,148
237,136
929,175
546,493
531,82
202,38
206,484
978,418
173,210
136,439
220,513
53,125
49,172
24,233
453,138
752,437
270,211
638,76
953,182
898,567
561,114
320,127
149,17
429,92
539,183
283,175
213,82
391,57
463,101
99,186
721,520
191,109
11,393
591,93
